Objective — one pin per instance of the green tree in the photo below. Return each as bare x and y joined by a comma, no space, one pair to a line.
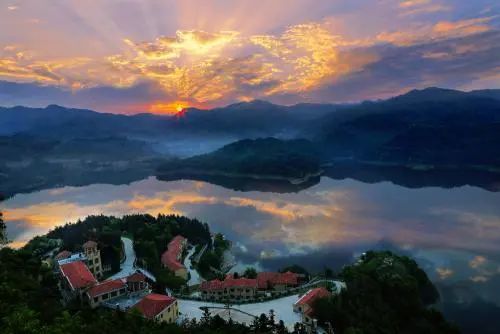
3,231
250,272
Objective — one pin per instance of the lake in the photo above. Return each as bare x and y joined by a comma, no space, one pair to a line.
453,233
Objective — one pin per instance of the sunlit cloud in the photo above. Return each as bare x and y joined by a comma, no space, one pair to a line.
414,7
444,273
221,55
438,31
477,261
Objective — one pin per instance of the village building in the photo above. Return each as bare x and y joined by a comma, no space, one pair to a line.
75,279
62,255
106,291
277,281
158,307
172,257
136,283
229,289
235,289
305,304
93,255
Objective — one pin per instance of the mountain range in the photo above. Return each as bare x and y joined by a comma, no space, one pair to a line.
422,130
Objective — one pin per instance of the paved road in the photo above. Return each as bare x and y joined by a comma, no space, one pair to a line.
126,268
195,277
283,308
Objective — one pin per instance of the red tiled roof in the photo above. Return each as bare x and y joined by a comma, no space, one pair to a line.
312,295
153,304
266,280
229,282
136,277
90,244
78,274
106,287
63,255
169,257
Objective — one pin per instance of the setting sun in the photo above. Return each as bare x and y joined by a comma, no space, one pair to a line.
167,108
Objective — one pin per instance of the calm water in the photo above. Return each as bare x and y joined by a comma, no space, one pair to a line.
454,233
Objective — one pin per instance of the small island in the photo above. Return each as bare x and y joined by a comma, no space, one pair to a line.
267,159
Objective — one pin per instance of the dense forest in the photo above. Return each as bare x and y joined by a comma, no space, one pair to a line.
385,293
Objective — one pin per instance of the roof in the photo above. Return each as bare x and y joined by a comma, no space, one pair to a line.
229,282
90,244
63,255
79,276
106,287
170,257
312,295
267,279
153,304
136,277
73,258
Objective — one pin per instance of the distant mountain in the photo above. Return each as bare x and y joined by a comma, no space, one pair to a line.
237,121
430,127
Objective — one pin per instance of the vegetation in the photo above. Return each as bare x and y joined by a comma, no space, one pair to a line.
250,272
3,231
150,234
385,293
263,157
213,258
29,304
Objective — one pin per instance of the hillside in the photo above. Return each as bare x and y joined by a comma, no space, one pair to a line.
267,158
434,127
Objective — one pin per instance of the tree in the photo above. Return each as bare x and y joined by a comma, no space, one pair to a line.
3,231
250,272
206,317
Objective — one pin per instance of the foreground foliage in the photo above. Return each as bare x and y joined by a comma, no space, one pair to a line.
385,293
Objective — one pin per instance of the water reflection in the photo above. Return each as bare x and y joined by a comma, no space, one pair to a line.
454,233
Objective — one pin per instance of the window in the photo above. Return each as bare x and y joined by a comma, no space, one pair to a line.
105,296
96,299
114,293
96,261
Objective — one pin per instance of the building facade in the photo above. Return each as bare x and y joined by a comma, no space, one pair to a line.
158,307
172,257
305,304
93,255
230,289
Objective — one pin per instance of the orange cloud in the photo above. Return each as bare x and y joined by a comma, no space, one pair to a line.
439,31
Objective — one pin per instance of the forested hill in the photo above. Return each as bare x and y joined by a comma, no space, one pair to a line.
265,158
435,127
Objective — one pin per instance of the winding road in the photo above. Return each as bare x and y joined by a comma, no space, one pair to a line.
128,267
194,276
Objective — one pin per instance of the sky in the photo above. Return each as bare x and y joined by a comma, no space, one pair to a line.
160,56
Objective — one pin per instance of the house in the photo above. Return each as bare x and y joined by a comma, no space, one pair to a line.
93,255
62,255
158,307
277,281
305,304
75,279
172,257
105,291
229,289
136,283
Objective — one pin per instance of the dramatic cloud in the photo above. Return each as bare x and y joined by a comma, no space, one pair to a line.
190,54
